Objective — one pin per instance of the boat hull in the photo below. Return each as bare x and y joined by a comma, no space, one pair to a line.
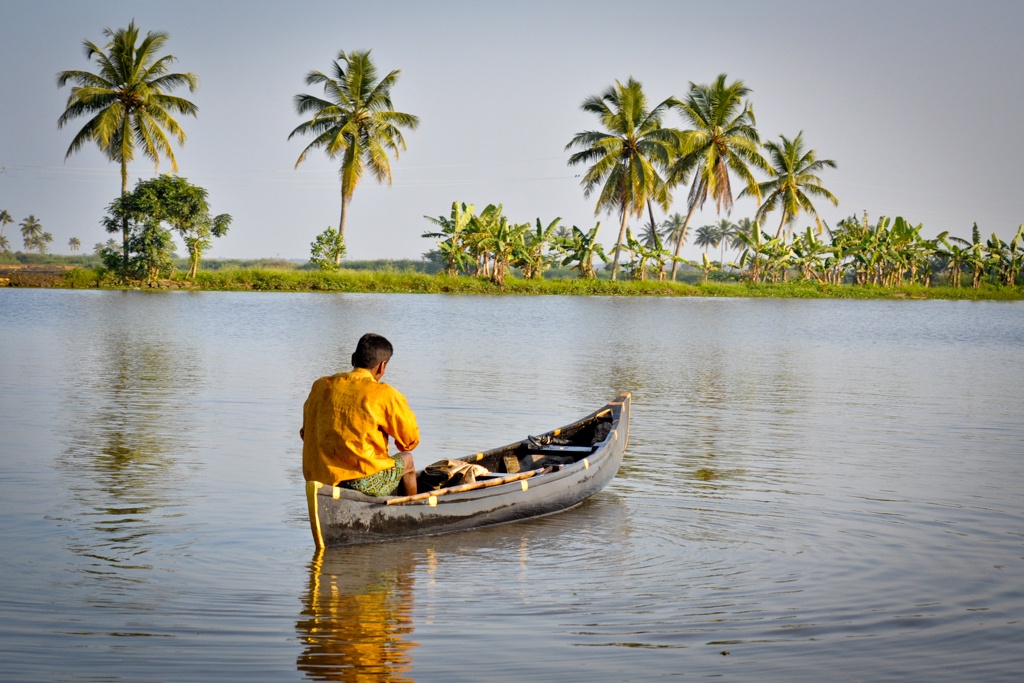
341,516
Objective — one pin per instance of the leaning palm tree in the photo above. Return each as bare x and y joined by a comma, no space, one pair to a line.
128,102
723,141
626,155
354,120
794,182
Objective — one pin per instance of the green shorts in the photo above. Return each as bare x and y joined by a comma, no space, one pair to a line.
383,483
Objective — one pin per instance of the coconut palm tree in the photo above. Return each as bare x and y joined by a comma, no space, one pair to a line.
31,232
707,237
794,182
626,156
674,229
723,141
128,101
354,120
75,244
5,218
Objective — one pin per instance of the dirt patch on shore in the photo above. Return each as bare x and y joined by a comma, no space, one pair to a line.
26,275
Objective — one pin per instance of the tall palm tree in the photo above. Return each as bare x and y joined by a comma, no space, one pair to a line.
723,141
354,120
627,155
128,101
75,244
31,232
793,183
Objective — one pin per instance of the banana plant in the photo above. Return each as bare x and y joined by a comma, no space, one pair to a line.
453,234
535,259
580,248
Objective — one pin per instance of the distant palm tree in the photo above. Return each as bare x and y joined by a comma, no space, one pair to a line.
5,244
674,229
726,233
626,155
75,244
31,232
5,218
128,102
794,180
707,237
723,141
354,120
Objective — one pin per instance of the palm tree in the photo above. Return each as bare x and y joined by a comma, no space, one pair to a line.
726,234
707,237
5,244
354,120
75,244
626,155
5,218
674,229
723,140
794,179
31,232
128,102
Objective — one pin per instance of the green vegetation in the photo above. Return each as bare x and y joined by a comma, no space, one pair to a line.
390,281
141,216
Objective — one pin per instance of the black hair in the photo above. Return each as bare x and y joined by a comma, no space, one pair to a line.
371,350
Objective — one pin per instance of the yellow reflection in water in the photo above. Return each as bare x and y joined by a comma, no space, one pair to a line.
357,617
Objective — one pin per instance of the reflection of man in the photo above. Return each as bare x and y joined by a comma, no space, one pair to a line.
356,624
346,422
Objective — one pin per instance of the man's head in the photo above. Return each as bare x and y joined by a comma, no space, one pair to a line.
372,352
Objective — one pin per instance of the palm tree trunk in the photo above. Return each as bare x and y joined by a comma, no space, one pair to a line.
124,218
618,244
341,219
682,238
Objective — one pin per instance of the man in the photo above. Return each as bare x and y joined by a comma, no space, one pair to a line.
346,422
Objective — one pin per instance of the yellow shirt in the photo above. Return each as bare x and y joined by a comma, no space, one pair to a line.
346,422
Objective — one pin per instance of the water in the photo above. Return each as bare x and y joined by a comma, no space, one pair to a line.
814,490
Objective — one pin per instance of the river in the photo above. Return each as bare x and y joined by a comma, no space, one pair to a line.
814,490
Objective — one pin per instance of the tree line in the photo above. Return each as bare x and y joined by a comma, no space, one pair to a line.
633,162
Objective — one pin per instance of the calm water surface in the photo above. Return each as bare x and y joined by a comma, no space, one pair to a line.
814,490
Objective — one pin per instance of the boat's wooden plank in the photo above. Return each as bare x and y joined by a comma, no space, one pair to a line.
486,483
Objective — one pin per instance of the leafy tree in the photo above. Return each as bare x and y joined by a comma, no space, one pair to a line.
723,141
354,120
150,245
626,156
327,249
183,206
794,182
75,244
581,248
128,102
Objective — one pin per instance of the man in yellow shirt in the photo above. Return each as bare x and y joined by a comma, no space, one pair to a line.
346,422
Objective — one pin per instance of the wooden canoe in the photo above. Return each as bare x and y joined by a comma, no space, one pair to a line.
537,476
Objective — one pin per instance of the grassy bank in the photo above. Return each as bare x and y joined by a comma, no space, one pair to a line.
283,280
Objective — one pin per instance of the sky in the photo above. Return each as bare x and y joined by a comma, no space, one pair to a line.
918,103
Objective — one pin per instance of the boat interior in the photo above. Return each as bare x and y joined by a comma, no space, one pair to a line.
536,453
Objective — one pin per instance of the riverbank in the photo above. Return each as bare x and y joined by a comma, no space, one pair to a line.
282,280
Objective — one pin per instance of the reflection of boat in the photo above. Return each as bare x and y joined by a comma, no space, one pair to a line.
536,476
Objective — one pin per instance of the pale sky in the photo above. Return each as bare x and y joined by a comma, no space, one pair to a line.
919,103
